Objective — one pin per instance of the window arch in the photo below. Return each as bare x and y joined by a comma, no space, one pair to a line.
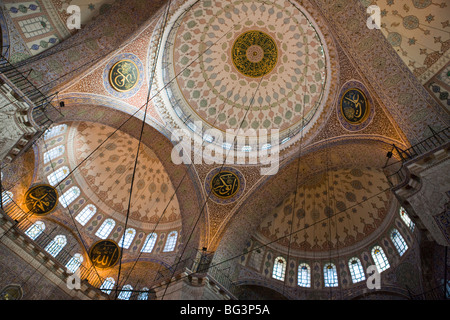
107,285
406,219
330,275
7,197
279,268
57,176
86,214
57,130
399,242
380,259
56,245
74,263
143,295
125,293
356,270
304,275
171,241
127,238
105,229
35,230
69,196
149,243
53,153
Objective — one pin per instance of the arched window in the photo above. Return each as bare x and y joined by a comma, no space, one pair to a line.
69,196
107,285
127,238
56,177
330,275
399,242
143,295
279,268
380,259
86,214
406,219
53,153
149,243
125,293
74,262
7,197
35,230
356,270
105,229
304,275
55,131
56,245
171,241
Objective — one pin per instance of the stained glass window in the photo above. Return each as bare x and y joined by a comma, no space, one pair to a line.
74,262
56,177
105,229
57,130
69,196
399,242
107,285
380,259
86,214
356,270
149,243
53,153
171,241
125,293
406,219
304,275
56,245
7,197
127,238
279,268
35,230
330,275
143,295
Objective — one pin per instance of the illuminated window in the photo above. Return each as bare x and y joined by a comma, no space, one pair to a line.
53,154
149,242
143,295
380,259
399,242
56,177
406,219
127,238
105,229
125,293
74,262
171,241
256,258
279,268
55,131
56,245
69,196
107,285
86,214
304,275
35,230
356,270
7,197
330,275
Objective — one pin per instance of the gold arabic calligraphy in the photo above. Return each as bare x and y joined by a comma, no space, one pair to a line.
41,199
225,184
354,106
124,75
104,254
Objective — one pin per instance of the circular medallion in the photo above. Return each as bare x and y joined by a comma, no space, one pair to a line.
104,254
224,185
41,199
254,54
124,75
354,106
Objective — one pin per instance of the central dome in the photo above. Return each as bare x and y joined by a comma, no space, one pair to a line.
247,64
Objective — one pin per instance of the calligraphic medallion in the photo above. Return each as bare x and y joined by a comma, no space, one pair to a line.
354,106
104,254
225,184
254,54
124,75
41,199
